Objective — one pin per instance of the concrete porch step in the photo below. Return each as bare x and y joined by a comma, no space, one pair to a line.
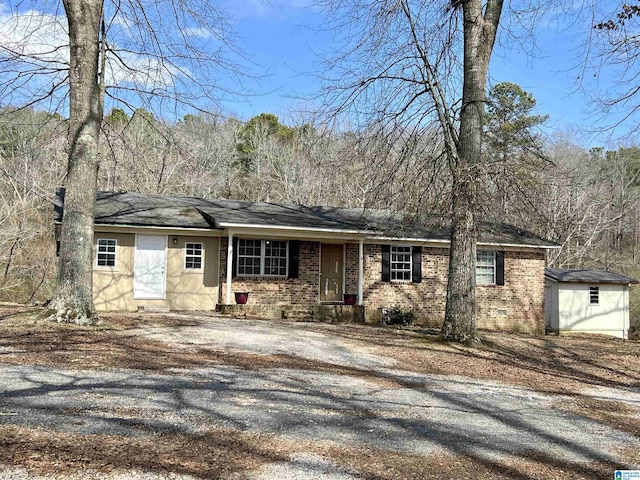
314,312
153,308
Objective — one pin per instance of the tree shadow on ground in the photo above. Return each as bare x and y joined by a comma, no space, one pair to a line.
189,406
210,423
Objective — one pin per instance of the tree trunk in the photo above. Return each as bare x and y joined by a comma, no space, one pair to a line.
73,298
460,313
479,37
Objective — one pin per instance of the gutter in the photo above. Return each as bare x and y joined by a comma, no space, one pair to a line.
367,235
304,229
119,225
447,242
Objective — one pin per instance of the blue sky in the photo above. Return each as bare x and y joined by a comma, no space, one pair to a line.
281,36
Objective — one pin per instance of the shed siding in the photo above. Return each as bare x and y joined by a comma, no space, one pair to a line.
609,316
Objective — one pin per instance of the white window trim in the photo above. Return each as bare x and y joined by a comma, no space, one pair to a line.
115,253
191,269
493,281
263,248
597,294
391,269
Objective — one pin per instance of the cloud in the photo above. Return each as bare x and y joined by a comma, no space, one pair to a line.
35,36
199,32
140,71
35,40
263,8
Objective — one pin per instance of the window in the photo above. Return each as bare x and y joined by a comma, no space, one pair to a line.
192,256
275,258
594,295
400,263
249,257
486,267
262,258
107,252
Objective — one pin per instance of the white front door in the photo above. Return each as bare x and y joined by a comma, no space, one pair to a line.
149,267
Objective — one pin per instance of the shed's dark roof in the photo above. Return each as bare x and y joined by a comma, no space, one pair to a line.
587,276
127,208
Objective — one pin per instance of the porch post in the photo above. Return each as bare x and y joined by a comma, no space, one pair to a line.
360,270
229,267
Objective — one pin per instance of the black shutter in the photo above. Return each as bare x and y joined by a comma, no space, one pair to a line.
416,264
234,263
294,258
386,263
500,268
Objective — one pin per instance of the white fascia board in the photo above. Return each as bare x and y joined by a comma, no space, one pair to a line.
516,245
111,227
359,234
447,242
287,228
390,240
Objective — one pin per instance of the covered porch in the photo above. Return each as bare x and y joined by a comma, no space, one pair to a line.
302,275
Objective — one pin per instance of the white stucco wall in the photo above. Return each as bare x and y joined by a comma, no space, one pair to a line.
609,317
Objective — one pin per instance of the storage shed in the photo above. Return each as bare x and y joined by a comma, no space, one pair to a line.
587,301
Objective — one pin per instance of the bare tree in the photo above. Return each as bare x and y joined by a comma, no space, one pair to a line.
133,51
73,300
31,144
616,49
404,69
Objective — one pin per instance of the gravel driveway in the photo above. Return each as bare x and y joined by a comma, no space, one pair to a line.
387,409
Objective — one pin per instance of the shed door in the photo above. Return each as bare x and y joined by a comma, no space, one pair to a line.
548,303
149,267
331,272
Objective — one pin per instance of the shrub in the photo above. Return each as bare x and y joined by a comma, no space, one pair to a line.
398,316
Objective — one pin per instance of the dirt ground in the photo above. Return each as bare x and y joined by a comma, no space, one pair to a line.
572,367
551,364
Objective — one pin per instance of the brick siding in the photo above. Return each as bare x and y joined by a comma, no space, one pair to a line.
303,290
516,306
426,299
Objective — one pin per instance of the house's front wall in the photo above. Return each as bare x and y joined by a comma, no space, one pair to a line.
427,298
304,290
184,289
609,317
113,287
516,306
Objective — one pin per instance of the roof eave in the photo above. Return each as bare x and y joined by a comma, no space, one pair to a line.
388,238
146,225
631,281
291,228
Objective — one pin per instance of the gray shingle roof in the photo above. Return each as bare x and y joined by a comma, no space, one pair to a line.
587,276
127,208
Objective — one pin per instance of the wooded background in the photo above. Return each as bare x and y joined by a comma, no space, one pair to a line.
585,200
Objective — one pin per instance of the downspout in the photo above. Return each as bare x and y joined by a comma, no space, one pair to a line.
229,267
360,271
